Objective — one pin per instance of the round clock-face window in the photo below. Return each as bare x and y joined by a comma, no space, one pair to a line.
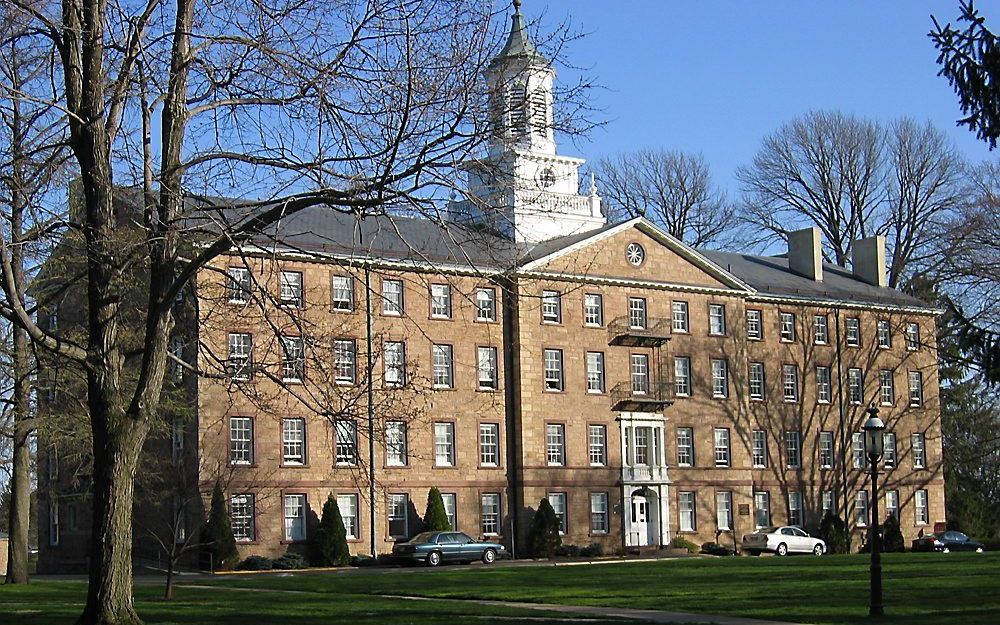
546,177
635,254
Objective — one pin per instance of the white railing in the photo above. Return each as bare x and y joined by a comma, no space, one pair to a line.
642,473
547,201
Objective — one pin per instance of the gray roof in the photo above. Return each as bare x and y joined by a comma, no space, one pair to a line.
518,43
770,275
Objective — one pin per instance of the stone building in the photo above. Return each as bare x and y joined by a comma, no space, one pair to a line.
527,349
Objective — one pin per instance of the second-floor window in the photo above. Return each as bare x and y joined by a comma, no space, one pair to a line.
346,445
756,379
553,370
486,367
852,331
637,313
551,307
238,285
722,447
442,366
685,447
240,440
640,374
716,319
486,304
595,372
858,450
720,378
919,451
489,444
343,293
597,445
755,327
790,382
787,327
293,362
823,389
441,301
345,360
826,450
291,288
682,376
392,297
887,391
240,363
444,444
293,441
884,334
395,444
555,444
855,386
912,336
759,442
241,517
889,449
593,309
679,317
793,449
916,380
394,359
821,335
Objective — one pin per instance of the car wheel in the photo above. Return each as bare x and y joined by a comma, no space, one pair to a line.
818,550
433,558
782,550
979,549
489,556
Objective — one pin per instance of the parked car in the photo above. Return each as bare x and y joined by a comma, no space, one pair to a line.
782,541
433,548
945,542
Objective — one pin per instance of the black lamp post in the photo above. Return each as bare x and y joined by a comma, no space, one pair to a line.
874,444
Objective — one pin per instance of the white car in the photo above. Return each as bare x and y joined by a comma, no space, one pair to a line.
782,541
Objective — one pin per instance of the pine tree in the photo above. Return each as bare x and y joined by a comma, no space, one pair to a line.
544,533
892,535
328,544
436,518
834,533
217,536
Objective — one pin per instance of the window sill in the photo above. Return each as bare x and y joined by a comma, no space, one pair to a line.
293,465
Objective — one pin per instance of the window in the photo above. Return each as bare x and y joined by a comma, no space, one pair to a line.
641,447
555,444
912,336
892,503
889,449
448,499
551,307
240,440
682,376
855,386
398,517
793,449
759,440
442,366
441,301
887,390
238,285
637,318
489,444
558,503
54,523
679,315
762,509
795,508
861,508
599,513
919,451
293,361
444,444
486,304
826,450
343,293
241,517
489,514
722,447
394,360
823,389
345,360
688,515
348,505
920,502
787,327
916,379
486,358
640,374
346,432
240,355
720,379
852,330
177,351
821,334
595,372
597,436
395,444
293,441
295,517
176,440
757,381
858,450
884,334
553,369
755,328
593,310
290,283
829,502
723,510
392,297
790,382
685,447
716,319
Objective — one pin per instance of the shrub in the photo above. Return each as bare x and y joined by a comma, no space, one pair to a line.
360,561
256,563
568,551
436,518
683,543
835,534
593,550
543,536
217,535
715,549
892,536
328,544
290,561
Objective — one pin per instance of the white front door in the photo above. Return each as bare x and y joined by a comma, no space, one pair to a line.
640,516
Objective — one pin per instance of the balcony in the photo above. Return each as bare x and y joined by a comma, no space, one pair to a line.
654,333
658,396
644,473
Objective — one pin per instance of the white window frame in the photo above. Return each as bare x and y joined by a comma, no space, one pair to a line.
795,515
293,359
555,444
396,444
828,502
826,450
595,372
824,387
921,509
489,444
855,386
593,310
685,447
293,441
682,376
599,513
716,319
291,289
639,373
680,321
552,360
756,381
790,383
821,329
345,360
54,522
240,362
397,511
440,299
342,293
242,512
724,510
884,334
346,442
638,313
892,503
486,304
912,337
852,331
450,501
392,297
755,327
886,387
793,449
858,453
394,363
295,516
551,306
444,444
889,457
861,508
720,378
759,457
486,368
238,285
915,382
761,505
687,511
489,514
597,445
559,503
443,365
722,447
348,505
787,324
918,444
241,443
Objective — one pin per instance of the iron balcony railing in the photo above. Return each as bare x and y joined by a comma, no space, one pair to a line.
656,396
655,331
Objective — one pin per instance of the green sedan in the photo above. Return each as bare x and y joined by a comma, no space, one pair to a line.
433,548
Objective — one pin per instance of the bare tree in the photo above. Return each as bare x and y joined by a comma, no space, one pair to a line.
672,189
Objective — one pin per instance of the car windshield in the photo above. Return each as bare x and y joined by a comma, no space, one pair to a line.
766,530
423,538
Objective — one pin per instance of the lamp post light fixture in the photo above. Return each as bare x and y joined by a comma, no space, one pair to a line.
874,446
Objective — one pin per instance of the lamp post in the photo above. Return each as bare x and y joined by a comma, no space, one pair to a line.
874,444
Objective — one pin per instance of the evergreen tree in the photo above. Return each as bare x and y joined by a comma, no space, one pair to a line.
892,535
834,533
436,518
328,544
218,533
544,533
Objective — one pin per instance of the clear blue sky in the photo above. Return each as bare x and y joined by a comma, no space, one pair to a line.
715,77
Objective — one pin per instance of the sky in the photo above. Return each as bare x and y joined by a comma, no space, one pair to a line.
716,77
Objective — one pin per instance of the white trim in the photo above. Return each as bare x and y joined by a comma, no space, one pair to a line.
839,303
648,284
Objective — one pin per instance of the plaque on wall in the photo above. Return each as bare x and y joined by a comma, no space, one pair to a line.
744,509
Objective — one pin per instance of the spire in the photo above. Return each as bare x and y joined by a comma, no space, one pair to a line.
518,43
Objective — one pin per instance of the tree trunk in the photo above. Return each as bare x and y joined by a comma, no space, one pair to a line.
168,592
20,488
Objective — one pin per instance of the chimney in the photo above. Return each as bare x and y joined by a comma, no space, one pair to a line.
805,253
868,260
